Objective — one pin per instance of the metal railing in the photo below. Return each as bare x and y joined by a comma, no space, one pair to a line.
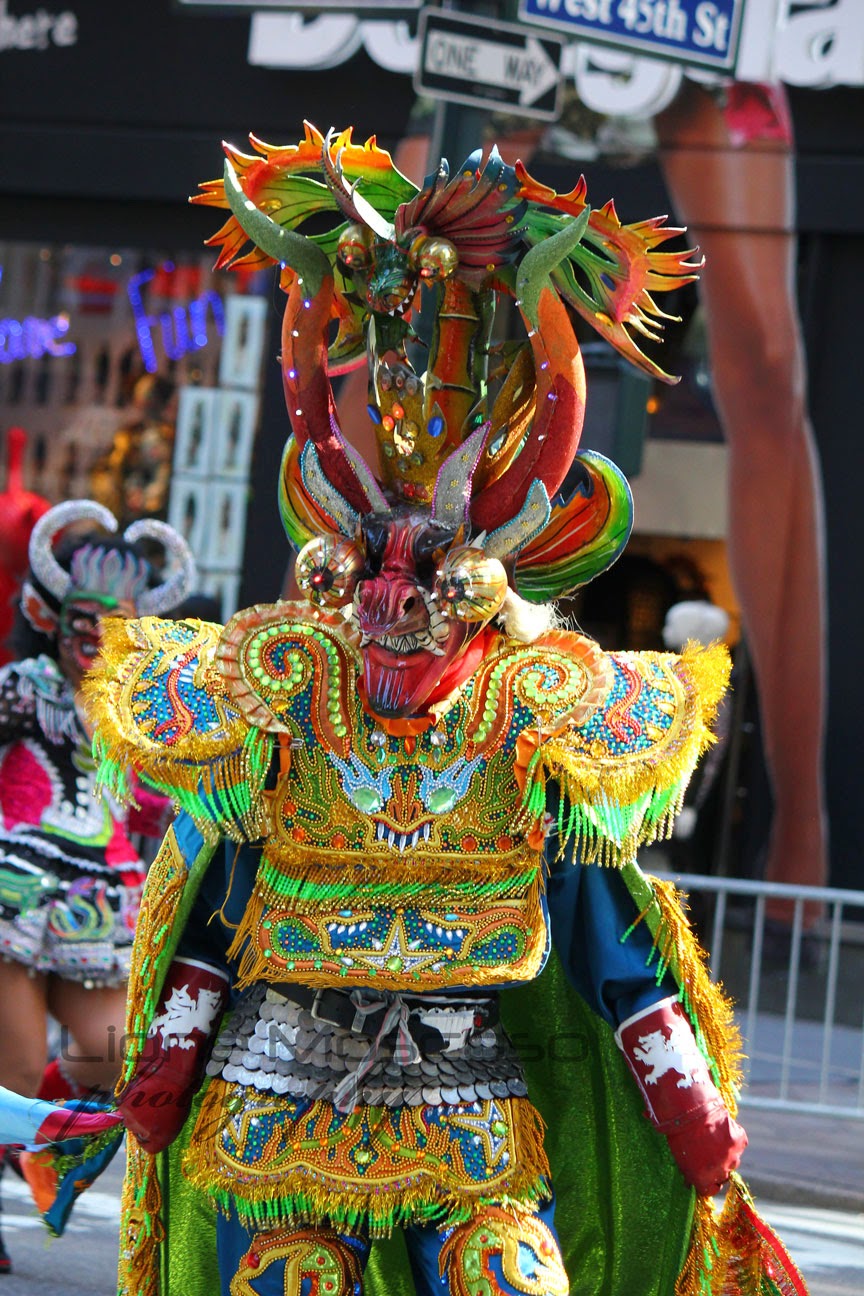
799,993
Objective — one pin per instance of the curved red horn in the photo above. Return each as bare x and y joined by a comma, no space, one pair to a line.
305,325
558,417
309,395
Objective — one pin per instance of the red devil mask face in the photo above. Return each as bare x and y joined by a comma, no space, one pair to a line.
418,602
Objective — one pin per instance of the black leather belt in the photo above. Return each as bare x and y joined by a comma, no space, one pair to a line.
335,1008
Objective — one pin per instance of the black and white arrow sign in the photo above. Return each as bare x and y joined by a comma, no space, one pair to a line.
488,63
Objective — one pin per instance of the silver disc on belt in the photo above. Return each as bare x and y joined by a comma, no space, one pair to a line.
414,1097
517,1087
483,1090
499,1089
432,1095
467,1092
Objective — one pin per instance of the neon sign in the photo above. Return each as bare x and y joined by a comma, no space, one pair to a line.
182,328
32,338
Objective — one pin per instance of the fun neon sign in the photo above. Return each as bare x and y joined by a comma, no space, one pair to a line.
182,329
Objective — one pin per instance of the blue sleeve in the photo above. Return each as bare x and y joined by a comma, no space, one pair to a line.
219,905
591,912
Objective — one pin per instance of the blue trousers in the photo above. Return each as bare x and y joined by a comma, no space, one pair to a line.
516,1251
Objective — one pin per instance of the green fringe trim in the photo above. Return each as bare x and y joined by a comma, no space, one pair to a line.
283,886
225,797
379,1218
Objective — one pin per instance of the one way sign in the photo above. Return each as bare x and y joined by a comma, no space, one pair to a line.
489,63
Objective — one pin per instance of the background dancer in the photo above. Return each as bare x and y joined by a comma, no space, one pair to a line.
70,878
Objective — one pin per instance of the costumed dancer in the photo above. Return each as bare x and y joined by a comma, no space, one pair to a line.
70,877
422,775
20,510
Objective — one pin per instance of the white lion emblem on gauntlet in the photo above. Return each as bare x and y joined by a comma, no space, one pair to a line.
183,1015
678,1053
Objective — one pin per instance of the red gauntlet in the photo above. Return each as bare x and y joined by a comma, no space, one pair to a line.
156,1101
681,1099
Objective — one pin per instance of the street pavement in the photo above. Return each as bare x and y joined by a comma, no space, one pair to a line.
805,1160
806,1173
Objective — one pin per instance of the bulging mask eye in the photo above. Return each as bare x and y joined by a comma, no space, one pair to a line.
470,586
354,249
327,570
433,258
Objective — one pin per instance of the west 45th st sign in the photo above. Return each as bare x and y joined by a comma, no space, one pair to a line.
703,33
488,63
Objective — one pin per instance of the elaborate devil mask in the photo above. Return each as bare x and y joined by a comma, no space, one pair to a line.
479,502
416,599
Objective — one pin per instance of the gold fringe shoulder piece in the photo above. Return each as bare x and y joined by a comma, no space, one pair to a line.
624,771
160,707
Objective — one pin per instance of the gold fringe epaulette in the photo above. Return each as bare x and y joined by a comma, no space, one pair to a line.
159,707
623,774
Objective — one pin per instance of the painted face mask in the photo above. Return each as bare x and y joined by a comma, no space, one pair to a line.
416,600
78,632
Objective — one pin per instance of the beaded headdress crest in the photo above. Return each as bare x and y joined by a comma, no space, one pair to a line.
485,436
103,569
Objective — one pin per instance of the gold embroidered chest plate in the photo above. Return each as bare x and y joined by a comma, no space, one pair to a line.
401,861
